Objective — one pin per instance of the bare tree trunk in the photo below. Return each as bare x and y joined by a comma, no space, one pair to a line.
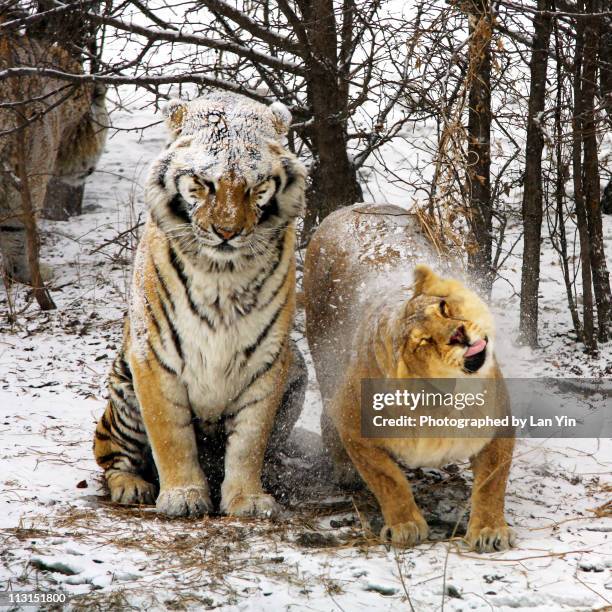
605,71
588,333
561,174
606,199
601,278
479,140
532,192
41,293
605,88
333,176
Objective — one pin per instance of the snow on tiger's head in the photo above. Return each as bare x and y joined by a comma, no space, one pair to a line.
226,186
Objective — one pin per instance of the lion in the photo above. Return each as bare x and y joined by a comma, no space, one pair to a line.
363,322
63,128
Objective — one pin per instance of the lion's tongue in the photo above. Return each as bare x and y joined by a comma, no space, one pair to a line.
475,348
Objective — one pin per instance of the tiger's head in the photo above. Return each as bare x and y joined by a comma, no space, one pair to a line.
226,187
448,330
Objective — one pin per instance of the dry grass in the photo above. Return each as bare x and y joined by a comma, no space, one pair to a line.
203,563
187,558
441,233
603,511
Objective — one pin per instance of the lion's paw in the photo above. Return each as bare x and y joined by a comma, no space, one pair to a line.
191,501
258,504
405,534
126,488
490,539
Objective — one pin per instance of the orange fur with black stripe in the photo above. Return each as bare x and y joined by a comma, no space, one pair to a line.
206,344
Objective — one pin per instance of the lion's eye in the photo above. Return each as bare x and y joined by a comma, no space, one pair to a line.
424,342
444,310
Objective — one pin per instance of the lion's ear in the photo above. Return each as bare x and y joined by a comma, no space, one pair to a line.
175,112
281,117
426,281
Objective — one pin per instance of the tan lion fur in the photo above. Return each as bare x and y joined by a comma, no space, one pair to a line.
367,318
63,126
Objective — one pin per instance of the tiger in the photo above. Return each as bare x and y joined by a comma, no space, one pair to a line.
207,337
368,317
64,127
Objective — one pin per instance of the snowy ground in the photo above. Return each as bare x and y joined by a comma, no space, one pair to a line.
59,531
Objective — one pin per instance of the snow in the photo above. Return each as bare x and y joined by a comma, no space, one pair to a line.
60,531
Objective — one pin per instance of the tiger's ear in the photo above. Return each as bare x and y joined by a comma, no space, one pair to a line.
175,112
281,117
426,281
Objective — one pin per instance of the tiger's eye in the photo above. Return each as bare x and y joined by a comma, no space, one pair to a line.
209,185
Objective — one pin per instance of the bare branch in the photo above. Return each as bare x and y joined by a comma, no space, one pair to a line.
193,77
296,24
15,24
251,26
194,39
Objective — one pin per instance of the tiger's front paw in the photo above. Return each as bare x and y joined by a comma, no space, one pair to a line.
490,539
255,504
403,535
184,501
127,488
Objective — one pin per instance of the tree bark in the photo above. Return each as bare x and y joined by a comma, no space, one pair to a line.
479,141
561,172
601,278
606,199
532,191
588,329
333,177
605,62
41,293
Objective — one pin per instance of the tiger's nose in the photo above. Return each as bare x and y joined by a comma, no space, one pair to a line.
224,233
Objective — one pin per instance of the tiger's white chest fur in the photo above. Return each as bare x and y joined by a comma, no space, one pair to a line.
218,362
224,326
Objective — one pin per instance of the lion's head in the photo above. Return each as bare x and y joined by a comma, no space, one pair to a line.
448,330
226,187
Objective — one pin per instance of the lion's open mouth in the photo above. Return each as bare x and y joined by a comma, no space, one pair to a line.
475,356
